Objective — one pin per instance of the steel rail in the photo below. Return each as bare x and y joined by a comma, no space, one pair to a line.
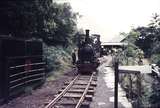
53,102
85,92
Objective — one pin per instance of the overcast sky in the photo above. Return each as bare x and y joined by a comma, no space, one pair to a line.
109,17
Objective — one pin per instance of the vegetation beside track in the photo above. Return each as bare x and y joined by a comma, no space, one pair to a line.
143,39
55,24
146,38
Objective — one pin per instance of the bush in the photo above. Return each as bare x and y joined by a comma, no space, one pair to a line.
133,51
56,57
155,58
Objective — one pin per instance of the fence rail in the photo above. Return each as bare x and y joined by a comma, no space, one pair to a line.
22,72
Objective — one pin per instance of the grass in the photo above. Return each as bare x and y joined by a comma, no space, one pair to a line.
63,67
58,60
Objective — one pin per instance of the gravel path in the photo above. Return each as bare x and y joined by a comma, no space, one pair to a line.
104,95
41,96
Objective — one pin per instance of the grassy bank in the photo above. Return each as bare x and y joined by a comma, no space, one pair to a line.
58,60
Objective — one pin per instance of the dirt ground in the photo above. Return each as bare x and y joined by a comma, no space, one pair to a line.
41,96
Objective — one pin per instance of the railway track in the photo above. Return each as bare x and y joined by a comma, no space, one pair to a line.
75,94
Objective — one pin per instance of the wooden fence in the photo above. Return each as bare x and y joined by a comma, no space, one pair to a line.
22,72
118,80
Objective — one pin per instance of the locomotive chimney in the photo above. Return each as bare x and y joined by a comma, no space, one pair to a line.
87,35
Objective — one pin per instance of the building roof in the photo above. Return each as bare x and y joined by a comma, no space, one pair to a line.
118,38
113,44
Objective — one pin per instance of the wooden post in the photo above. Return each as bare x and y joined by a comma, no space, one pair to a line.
139,89
116,85
130,86
6,89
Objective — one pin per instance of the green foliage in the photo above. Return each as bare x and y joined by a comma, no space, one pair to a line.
146,38
149,38
155,58
53,23
130,52
131,49
45,19
56,57
129,56
79,37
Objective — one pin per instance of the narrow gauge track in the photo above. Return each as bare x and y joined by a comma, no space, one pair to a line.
77,94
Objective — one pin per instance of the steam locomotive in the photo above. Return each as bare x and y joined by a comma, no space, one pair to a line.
87,56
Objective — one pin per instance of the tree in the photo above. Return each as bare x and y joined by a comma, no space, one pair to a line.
45,19
149,37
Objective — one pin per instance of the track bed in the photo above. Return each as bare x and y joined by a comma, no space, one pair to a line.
75,94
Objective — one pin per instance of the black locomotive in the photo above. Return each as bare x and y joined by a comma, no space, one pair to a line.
87,59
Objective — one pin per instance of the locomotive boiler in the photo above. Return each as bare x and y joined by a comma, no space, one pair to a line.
87,59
